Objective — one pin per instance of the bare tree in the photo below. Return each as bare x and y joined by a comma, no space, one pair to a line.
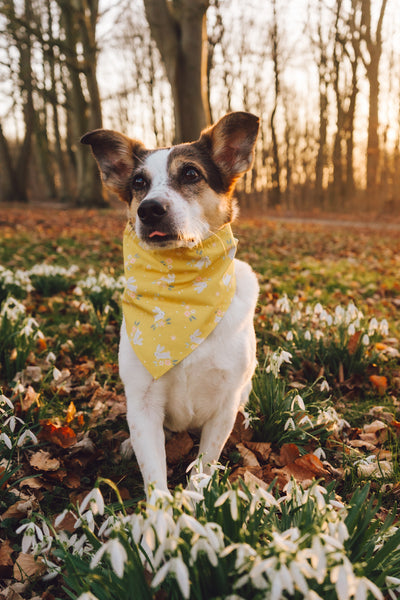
179,29
371,57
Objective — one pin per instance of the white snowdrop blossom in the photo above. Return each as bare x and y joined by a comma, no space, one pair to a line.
373,326
6,440
365,340
289,336
324,386
282,304
117,554
27,434
178,567
87,596
307,335
95,500
351,329
384,327
276,361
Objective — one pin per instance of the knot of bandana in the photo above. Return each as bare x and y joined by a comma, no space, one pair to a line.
174,298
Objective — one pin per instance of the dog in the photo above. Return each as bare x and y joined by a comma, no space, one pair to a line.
179,205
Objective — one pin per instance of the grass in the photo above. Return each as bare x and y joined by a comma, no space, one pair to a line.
341,374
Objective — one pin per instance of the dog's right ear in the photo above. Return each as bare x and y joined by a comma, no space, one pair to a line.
117,156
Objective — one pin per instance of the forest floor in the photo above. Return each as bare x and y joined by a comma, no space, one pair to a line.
329,295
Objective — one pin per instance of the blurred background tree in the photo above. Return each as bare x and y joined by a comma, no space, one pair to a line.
323,75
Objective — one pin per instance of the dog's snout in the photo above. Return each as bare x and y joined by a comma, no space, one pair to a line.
151,211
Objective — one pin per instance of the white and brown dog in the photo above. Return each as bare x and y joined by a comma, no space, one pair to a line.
178,198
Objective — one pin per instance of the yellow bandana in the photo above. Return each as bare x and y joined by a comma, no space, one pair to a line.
175,297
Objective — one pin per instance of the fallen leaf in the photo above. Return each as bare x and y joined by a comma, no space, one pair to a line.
27,566
6,561
20,509
43,461
70,413
178,446
379,382
353,342
374,426
361,444
241,472
61,436
248,457
261,449
30,398
288,454
67,523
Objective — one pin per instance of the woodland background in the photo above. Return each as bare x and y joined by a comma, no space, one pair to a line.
323,75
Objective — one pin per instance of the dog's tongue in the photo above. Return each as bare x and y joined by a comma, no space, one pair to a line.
158,233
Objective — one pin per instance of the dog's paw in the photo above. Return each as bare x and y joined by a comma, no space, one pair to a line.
126,449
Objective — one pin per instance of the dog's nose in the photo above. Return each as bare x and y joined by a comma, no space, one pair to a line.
151,211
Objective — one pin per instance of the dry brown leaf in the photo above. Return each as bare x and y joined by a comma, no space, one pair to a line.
61,436
379,382
43,461
31,397
5,554
248,457
71,412
261,449
27,566
241,472
253,482
20,509
361,444
178,447
374,426
288,454
353,342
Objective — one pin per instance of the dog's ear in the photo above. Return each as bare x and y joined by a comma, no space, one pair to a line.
231,142
116,155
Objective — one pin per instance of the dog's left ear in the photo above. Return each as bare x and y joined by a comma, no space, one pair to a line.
231,141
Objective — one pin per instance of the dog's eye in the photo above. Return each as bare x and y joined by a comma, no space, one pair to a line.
139,182
191,175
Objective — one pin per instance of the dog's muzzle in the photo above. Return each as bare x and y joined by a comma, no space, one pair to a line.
151,212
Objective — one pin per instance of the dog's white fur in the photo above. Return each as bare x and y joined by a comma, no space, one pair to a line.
205,390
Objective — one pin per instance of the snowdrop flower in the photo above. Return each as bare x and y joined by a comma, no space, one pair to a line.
318,335
351,329
295,317
283,304
117,554
290,424
318,309
307,336
275,326
95,500
365,340
27,434
306,421
32,536
289,336
384,327
202,545
178,567
12,421
51,357
56,374
87,518
233,496
4,438
339,315
87,596
393,583
299,401
276,361
5,400
324,386
373,326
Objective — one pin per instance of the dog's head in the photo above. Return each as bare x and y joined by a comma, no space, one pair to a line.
178,195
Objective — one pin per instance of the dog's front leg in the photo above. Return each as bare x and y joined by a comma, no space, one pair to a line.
145,416
214,434
148,443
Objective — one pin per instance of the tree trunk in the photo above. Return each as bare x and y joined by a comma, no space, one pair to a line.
373,43
276,167
179,30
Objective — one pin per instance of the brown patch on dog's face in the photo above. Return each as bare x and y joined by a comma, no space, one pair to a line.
117,156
